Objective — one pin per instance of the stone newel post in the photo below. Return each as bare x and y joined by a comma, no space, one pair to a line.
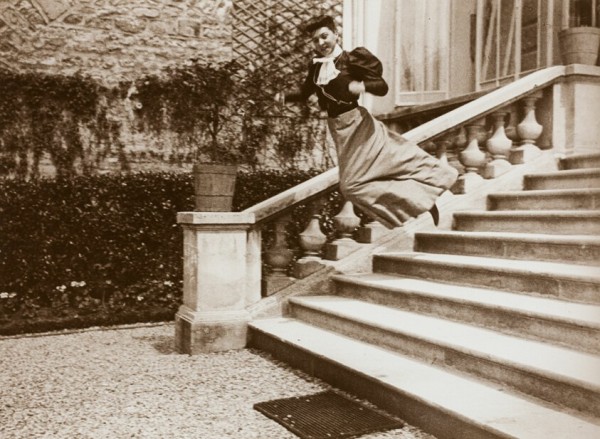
219,281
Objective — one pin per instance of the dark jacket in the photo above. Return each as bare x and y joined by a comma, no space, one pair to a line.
358,65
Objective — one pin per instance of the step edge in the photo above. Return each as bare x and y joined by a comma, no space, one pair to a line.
481,303
536,193
529,214
584,156
565,173
493,264
528,238
473,418
461,348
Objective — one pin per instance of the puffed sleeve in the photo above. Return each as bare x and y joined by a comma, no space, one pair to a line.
366,67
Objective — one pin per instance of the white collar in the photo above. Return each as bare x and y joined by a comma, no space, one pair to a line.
327,72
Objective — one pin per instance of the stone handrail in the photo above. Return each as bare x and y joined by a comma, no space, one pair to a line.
403,119
301,193
478,108
488,103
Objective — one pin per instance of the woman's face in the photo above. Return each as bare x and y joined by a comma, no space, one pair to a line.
324,40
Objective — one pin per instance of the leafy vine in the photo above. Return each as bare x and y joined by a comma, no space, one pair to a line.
47,114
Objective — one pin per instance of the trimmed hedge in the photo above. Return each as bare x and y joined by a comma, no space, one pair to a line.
96,250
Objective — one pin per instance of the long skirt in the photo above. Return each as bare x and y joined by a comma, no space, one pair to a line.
389,178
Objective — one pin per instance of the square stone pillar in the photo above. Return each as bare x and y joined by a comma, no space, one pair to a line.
575,109
219,276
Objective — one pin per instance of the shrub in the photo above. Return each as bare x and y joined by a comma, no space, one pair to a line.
104,249
90,243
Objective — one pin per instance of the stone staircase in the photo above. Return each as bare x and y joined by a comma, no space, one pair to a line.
491,330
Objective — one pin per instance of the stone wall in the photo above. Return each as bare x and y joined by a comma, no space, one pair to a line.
120,40
112,40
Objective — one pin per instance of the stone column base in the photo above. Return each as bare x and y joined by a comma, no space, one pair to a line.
340,248
307,265
467,183
496,168
203,332
371,232
524,154
275,282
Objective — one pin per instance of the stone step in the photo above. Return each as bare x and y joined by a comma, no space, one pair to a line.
554,374
572,325
580,283
575,249
580,161
581,222
440,402
570,179
554,199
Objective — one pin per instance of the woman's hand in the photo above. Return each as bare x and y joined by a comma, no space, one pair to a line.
356,87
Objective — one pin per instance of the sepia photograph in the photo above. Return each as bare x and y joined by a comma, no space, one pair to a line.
314,219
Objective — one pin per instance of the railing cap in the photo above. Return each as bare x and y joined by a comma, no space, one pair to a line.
287,199
215,218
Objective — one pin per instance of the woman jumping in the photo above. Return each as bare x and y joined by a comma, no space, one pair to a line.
385,175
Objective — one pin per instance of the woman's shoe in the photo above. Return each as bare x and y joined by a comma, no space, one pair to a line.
435,214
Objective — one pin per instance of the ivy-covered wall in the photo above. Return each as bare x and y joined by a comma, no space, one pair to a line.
56,56
112,40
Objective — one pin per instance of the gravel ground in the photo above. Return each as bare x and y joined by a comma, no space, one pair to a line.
130,383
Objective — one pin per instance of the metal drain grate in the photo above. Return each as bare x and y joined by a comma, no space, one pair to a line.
326,415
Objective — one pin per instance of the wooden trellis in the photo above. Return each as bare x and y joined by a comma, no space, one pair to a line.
267,36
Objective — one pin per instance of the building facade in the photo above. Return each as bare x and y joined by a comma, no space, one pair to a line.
434,50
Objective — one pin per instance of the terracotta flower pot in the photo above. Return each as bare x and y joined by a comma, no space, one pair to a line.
214,186
579,45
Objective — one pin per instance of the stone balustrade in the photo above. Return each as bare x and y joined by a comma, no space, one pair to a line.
224,267
489,146
480,149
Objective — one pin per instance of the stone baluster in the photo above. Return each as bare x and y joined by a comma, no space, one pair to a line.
529,130
511,126
499,147
345,223
429,147
312,240
447,152
459,142
443,145
472,158
278,257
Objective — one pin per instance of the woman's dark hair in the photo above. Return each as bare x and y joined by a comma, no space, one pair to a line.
318,22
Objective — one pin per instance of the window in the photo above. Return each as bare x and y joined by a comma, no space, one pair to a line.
422,50
514,37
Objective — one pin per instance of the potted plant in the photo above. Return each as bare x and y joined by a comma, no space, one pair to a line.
579,39
196,102
215,171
